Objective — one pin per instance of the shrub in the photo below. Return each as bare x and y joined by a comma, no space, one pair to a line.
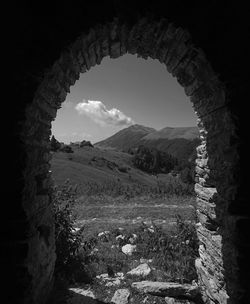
54,144
152,160
69,264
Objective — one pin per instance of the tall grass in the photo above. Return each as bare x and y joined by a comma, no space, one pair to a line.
81,257
114,188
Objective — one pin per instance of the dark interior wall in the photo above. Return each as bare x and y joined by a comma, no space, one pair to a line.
39,31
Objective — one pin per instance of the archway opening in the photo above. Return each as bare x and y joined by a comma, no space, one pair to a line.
127,140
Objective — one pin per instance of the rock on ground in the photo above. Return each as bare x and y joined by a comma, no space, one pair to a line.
128,249
167,289
121,296
79,296
111,281
170,300
141,270
83,292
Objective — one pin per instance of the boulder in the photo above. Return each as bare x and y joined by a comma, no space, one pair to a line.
84,292
167,289
128,249
141,270
121,296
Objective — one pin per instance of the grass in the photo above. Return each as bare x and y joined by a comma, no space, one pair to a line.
97,171
127,211
170,255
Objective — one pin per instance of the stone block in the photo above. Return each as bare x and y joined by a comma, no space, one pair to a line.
206,193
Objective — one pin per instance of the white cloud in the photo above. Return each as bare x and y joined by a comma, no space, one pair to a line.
98,112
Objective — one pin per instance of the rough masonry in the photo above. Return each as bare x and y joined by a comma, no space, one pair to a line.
221,220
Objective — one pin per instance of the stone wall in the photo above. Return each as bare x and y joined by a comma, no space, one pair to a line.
221,198
216,156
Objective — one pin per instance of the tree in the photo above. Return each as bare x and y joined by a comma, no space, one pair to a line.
154,161
55,145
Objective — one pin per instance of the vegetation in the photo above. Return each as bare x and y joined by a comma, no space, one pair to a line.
66,149
86,143
81,256
115,188
147,193
68,265
55,144
154,161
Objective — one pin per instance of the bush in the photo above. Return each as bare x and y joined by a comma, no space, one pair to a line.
152,160
69,264
54,144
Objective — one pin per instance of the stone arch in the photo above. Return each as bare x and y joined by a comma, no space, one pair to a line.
216,156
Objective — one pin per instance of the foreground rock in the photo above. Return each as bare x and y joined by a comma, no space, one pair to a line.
170,300
167,289
128,249
121,296
83,292
111,281
142,270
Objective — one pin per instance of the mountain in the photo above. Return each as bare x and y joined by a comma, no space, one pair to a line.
189,133
180,142
126,138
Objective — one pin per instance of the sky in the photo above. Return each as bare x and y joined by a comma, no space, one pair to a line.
118,93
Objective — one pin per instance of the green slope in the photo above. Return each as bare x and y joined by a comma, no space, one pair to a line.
97,165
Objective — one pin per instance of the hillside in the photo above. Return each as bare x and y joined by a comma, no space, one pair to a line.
97,165
188,133
126,138
181,142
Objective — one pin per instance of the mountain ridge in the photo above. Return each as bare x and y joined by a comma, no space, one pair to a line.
178,141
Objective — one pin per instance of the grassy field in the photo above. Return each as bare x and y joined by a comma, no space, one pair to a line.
104,213
101,166
161,229
111,204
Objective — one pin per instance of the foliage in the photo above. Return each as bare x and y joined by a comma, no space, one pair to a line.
55,144
152,160
187,171
66,149
86,143
173,253
68,264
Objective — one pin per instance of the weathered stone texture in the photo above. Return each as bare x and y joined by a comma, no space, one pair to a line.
216,156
